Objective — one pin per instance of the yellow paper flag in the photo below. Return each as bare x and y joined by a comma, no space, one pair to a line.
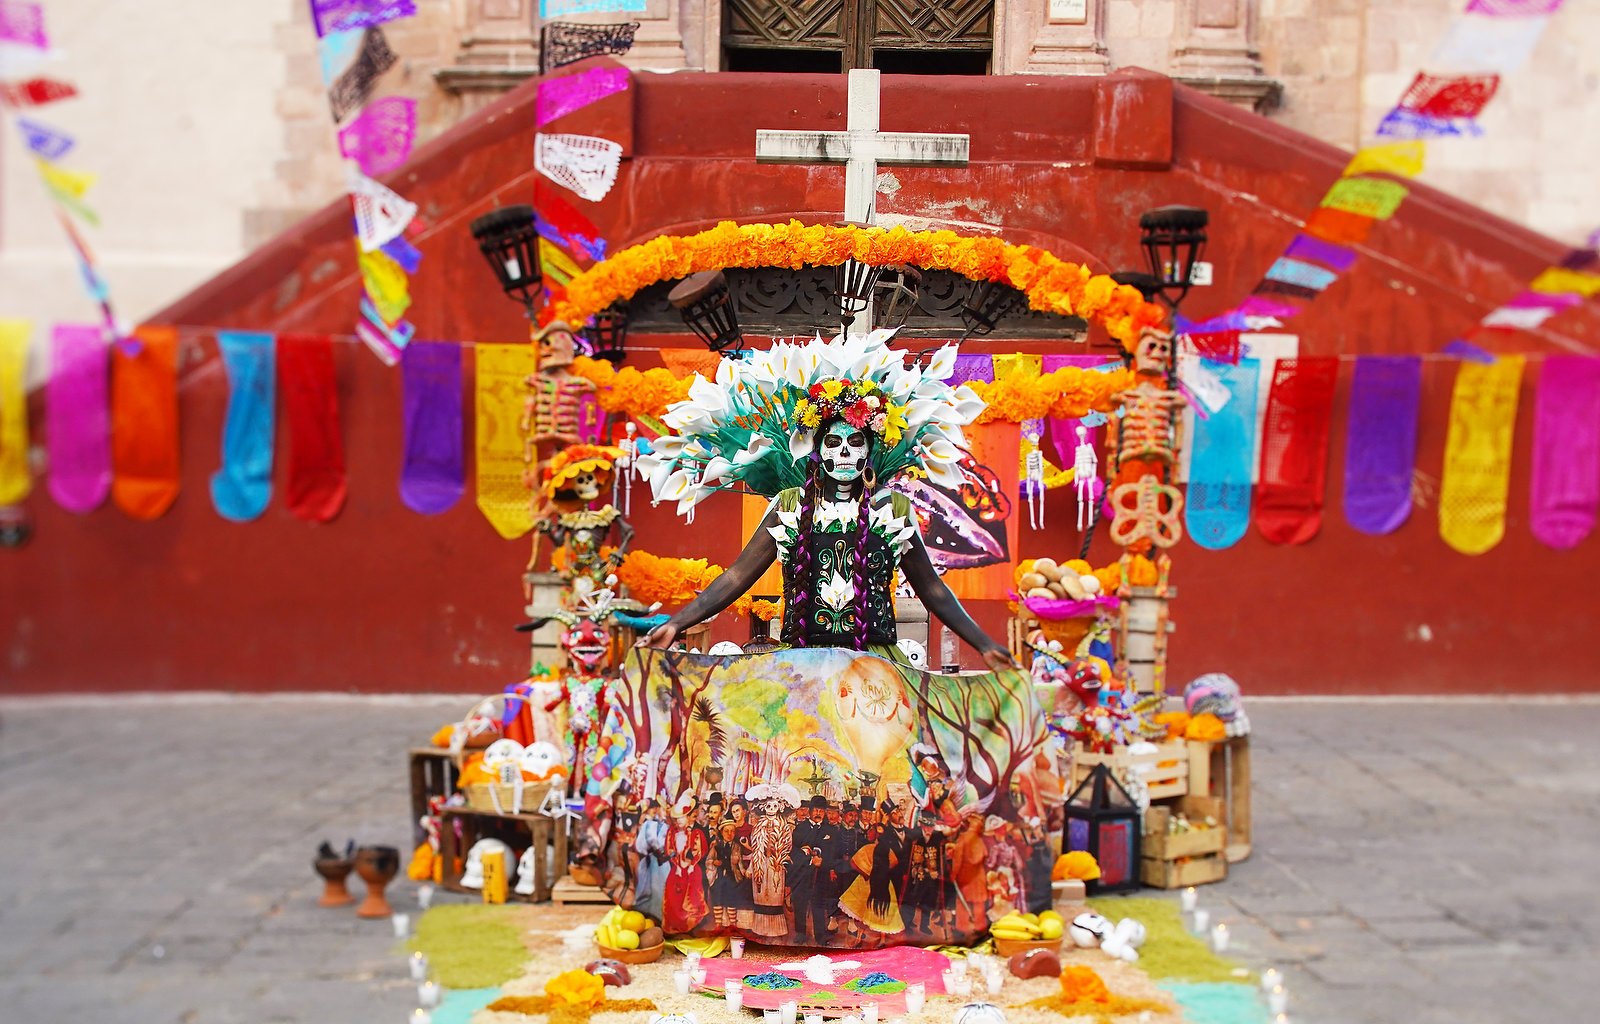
74,183
1477,454
386,284
1561,281
1402,159
15,481
1368,197
556,263
503,497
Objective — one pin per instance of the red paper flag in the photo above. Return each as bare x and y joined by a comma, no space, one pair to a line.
1294,450
36,92
316,487
1450,95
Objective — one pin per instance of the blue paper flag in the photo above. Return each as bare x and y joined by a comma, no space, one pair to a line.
47,142
241,488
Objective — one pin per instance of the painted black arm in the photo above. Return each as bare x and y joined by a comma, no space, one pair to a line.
942,603
755,559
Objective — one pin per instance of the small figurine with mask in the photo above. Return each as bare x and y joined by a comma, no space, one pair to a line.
589,542
822,429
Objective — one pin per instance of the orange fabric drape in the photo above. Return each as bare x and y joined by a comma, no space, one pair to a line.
144,424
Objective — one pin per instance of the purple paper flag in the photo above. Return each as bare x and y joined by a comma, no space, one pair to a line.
1310,247
1400,123
404,253
46,142
78,418
1514,8
1463,349
971,367
1261,305
344,15
380,138
432,471
559,97
1565,489
1230,321
23,23
1381,442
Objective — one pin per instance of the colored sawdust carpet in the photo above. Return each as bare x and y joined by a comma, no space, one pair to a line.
1215,1003
1169,952
471,946
459,1005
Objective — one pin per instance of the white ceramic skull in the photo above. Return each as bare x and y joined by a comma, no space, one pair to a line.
725,647
501,752
472,874
586,486
1088,928
1124,940
524,885
914,652
539,760
980,1013
673,1018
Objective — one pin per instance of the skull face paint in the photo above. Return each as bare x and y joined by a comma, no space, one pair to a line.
844,452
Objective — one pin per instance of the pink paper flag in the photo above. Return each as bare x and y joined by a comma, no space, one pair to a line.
1514,8
23,23
78,419
561,96
380,138
1565,490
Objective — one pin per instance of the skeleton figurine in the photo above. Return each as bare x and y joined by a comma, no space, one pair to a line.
585,552
1145,507
554,409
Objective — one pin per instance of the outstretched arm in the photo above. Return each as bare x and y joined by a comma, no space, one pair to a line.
754,560
943,604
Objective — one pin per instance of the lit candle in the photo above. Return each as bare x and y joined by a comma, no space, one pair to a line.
1189,898
699,975
421,1017
787,1012
963,985
419,967
402,925
769,1017
1278,999
869,1013
1202,921
428,994
1282,1018
1219,938
691,961
734,993
680,981
993,982
916,995
736,948
424,896
1271,978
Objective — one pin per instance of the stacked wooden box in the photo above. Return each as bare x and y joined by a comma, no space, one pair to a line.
1176,860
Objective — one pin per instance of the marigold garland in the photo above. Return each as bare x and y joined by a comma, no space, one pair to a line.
1052,285
676,581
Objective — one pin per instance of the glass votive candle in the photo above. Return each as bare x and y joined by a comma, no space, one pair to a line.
1277,999
681,981
736,948
691,961
787,1012
813,1018
869,1013
1188,899
916,996
402,925
963,985
424,896
769,1017
420,1017
1220,938
419,967
699,975
1202,921
428,994
733,991
993,981
1270,979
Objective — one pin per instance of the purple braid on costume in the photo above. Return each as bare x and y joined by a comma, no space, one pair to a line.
863,531
799,605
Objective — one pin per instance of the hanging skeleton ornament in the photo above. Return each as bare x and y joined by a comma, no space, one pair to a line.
1085,473
1033,472
1146,508
622,479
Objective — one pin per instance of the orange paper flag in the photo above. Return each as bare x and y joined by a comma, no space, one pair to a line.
144,424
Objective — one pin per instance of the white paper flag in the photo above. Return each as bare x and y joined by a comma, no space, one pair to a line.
583,163
381,215
1207,386
1473,43
1524,318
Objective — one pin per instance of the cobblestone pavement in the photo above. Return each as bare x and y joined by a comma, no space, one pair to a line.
1413,861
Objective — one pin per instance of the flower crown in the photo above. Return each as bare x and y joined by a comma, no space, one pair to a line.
860,403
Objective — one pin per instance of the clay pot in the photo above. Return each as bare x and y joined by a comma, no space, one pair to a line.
334,871
377,866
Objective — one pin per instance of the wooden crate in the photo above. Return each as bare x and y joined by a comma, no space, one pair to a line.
1180,874
567,890
517,831
1137,646
1223,770
433,773
1160,844
1165,772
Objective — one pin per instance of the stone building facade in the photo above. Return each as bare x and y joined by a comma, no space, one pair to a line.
209,128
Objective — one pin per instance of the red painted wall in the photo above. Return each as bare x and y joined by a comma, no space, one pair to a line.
384,599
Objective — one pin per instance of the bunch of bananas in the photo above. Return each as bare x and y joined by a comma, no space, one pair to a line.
627,929
1047,926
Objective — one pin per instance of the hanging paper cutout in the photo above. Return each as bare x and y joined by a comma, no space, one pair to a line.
344,15
1477,454
556,264
1522,314
36,92
354,87
46,142
583,163
563,43
386,285
432,473
559,97
1260,305
404,253
384,342
562,8
1301,274
1381,442
1338,226
971,366
1221,346
1513,8
1406,124
242,487
23,23
1062,432
145,474
380,138
315,489
1449,96
18,62
555,219
1311,248
16,477
503,496
381,215
1560,280
1402,159
1217,509
1294,449
77,418
337,51
1500,45
1565,489
1369,197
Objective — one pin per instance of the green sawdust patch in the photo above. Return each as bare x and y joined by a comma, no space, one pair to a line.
471,946
1169,951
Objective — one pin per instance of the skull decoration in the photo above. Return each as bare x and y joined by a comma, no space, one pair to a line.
725,648
1154,352
980,1013
541,760
586,486
557,347
844,452
586,643
524,885
915,653
501,752
472,875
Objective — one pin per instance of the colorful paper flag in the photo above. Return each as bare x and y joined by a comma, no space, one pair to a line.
345,15
78,418
1367,197
23,23
1500,45
45,141
1477,454
1340,227
16,475
380,138
1560,280
1298,272
36,92
1400,123
381,214
1402,159
1450,96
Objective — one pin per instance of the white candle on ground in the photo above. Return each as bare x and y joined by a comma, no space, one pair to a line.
419,967
402,925
428,994
1282,1018
699,975
916,995
1270,979
421,1017
736,948
424,896
1189,898
1202,921
787,1012
993,982
680,981
1219,938
869,1013
1278,999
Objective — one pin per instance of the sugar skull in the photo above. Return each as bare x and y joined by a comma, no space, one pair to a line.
557,346
586,643
472,874
1154,352
540,761
501,752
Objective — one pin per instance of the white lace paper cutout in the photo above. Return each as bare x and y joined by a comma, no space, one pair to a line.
381,215
583,163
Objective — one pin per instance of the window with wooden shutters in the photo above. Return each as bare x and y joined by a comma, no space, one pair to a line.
899,37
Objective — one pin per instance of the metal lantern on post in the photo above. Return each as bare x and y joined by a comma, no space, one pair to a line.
1103,820
986,304
706,305
605,333
895,293
853,282
511,245
1173,239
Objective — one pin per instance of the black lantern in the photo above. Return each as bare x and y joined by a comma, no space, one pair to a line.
986,304
511,245
1104,820
1148,284
605,333
707,308
1173,239
853,284
895,294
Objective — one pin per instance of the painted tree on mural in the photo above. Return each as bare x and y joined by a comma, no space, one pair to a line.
988,730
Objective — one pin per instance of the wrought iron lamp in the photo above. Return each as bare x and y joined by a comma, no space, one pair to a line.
853,282
986,304
706,305
1104,820
895,293
511,245
1173,239
606,332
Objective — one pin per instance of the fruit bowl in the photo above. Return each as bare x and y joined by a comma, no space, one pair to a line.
1011,947
647,955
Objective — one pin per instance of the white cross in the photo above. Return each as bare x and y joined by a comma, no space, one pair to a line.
861,148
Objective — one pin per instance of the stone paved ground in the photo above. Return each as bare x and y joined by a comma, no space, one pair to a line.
1414,862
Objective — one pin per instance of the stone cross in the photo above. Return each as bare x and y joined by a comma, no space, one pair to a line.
861,148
